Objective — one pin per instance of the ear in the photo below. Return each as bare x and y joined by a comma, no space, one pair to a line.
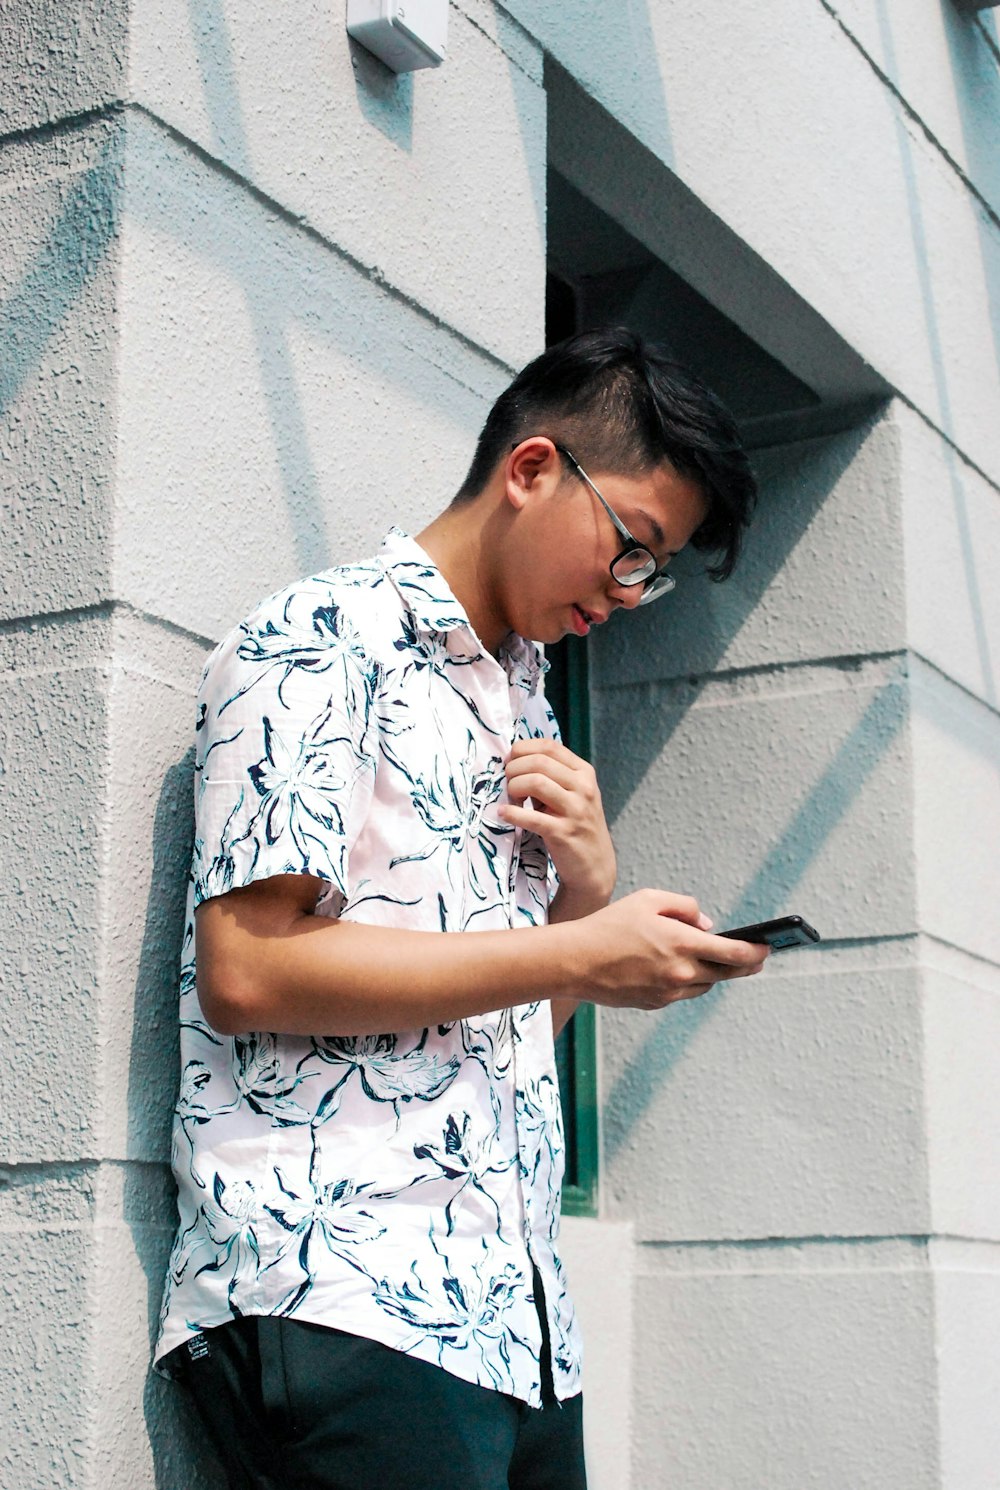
532,467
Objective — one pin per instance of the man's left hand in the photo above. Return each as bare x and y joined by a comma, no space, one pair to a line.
566,812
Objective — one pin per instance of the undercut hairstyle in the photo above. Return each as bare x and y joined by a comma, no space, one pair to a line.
624,405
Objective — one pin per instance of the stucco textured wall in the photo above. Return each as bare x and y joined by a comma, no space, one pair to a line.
256,295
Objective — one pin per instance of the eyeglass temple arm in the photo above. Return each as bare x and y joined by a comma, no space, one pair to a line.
613,516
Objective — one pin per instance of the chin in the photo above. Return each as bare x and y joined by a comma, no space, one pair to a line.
544,630
547,638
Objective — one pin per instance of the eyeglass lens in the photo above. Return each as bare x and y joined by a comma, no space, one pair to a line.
633,566
657,587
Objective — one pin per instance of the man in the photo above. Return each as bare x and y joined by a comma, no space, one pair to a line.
365,1288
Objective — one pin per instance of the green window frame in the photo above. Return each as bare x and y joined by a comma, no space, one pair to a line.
568,691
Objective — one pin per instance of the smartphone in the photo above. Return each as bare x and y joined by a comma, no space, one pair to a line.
785,931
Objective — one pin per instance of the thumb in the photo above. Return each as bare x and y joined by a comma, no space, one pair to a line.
681,908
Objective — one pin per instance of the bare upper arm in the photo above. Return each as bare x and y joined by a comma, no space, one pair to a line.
234,933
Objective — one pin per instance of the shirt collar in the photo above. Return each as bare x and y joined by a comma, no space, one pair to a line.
428,597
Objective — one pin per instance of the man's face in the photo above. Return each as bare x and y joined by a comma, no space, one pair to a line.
557,569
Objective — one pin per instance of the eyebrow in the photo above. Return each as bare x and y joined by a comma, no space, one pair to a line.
659,537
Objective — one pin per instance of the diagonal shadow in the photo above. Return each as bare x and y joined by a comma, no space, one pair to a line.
779,873
620,67
694,636
76,244
210,31
174,1434
213,44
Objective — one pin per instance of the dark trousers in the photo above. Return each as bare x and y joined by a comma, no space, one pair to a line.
298,1406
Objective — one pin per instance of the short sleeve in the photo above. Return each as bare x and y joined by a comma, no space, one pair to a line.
285,756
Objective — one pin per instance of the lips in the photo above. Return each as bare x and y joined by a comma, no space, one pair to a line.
584,619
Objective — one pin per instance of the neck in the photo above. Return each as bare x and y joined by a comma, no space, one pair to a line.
462,541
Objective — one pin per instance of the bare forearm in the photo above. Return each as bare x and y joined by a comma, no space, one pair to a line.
339,977
566,907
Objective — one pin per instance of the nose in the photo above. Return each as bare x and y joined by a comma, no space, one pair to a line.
627,596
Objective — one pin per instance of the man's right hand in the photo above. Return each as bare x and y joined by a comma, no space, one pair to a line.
652,948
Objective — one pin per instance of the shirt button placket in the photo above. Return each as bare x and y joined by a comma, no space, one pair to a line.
523,1168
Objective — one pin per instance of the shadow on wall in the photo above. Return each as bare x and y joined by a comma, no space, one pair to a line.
973,39
703,622
690,642
977,93
77,242
177,1441
384,97
612,50
213,45
700,632
771,885
386,102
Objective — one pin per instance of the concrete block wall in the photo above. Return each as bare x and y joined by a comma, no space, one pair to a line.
256,296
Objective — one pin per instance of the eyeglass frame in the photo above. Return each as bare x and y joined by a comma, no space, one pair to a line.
654,585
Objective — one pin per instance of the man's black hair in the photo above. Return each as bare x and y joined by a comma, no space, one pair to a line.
624,405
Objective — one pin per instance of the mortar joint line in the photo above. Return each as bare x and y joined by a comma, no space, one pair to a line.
911,113
71,1168
96,611
844,662
991,481
941,941
967,692
466,15
371,272
814,1239
102,610
296,220
45,129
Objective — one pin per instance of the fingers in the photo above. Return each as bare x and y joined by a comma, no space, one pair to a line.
722,974
575,776
748,954
554,748
541,789
693,991
556,781
702,976
532,821
537,764
677,907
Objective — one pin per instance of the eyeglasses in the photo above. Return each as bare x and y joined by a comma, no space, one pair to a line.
635,564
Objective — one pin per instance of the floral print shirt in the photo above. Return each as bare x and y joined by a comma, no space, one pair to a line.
398,1186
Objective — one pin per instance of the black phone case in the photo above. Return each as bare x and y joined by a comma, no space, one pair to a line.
779,934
